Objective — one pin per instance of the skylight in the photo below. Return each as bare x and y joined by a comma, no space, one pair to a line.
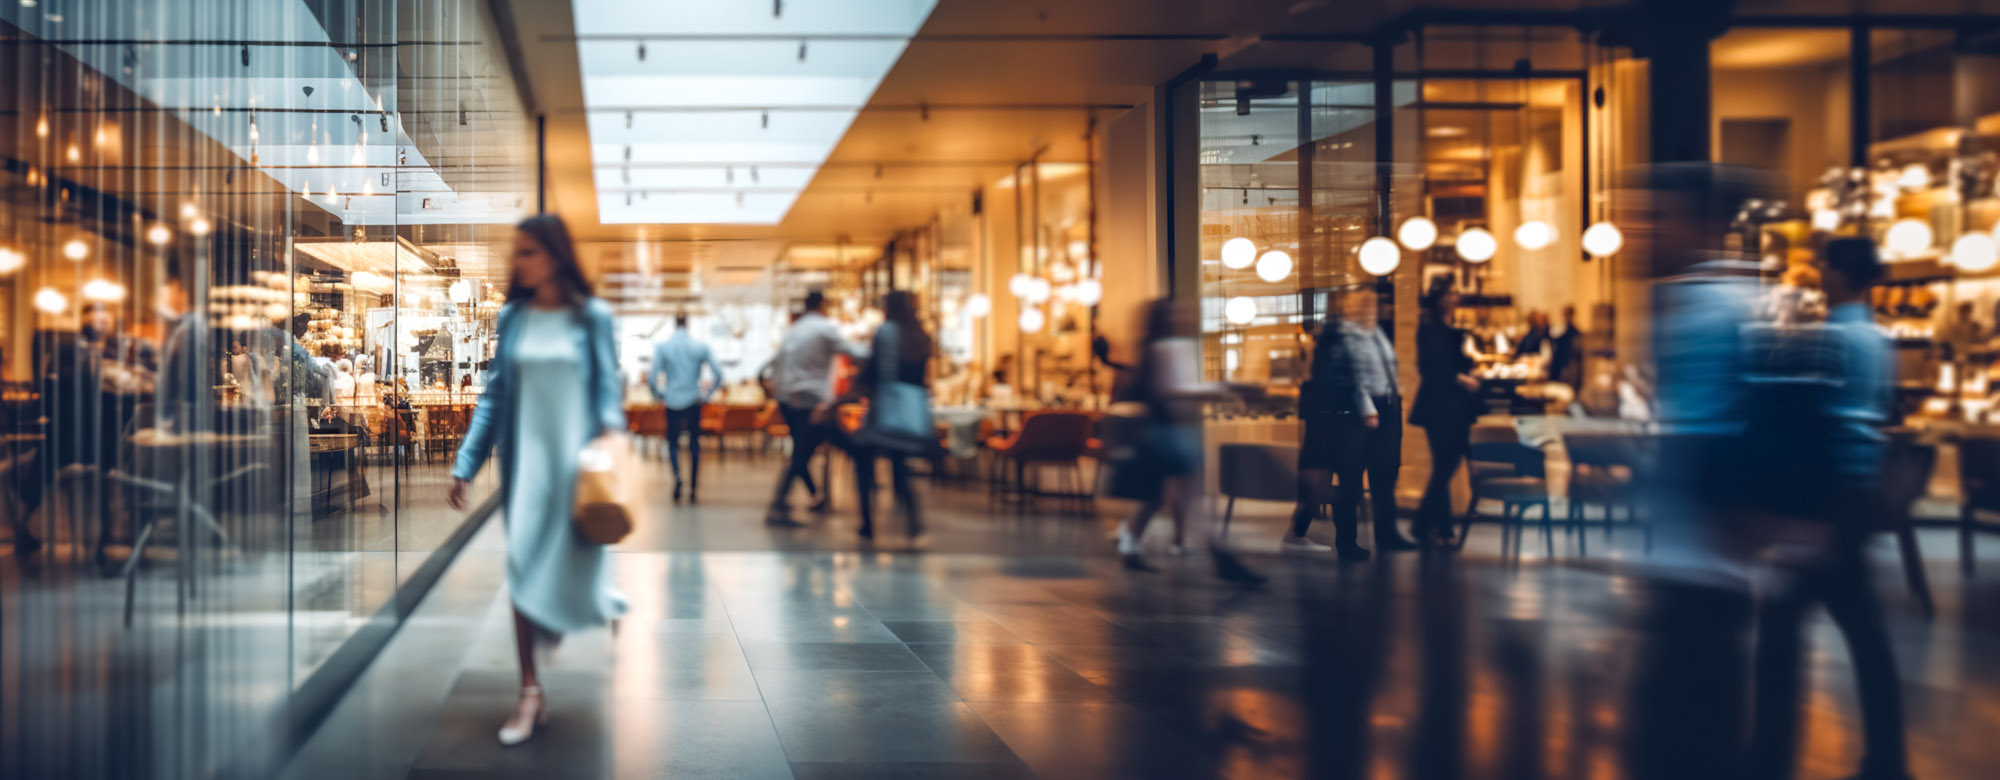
728,113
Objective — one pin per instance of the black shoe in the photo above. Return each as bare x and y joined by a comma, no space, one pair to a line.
822,506
694,497
1352,552
866,533
1393,543
677,491
1230,569
1136,562
777,519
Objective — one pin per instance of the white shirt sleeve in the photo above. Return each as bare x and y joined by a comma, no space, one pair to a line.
1177,372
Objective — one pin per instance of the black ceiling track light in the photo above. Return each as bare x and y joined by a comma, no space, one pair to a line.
642,51
246,55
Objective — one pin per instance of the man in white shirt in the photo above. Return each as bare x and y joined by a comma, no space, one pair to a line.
676,380
803,381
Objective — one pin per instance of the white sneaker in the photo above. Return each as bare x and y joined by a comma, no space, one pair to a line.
1127,544
1300,544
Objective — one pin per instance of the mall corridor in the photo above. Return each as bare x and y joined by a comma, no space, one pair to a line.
1016,648
1386,390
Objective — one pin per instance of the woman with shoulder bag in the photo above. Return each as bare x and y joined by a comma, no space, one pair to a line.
1164,468
896,382
553,390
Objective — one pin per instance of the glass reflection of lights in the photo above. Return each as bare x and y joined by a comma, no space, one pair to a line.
1380,256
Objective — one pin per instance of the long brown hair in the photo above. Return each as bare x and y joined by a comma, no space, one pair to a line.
549,231
900,307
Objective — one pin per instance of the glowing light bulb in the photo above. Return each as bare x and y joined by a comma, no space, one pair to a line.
978,305
1240,310
1975,252
1032,320
75,154
1274,266
1020,284
187,211
1477,245
103,290
1418,233
51,301
42,127
1915,176
1534,235
11,261
1039,291
1380,256
1826,220
1238,253
159,235
1908,238
1089,292
312,154
75,249
199,226
1603,240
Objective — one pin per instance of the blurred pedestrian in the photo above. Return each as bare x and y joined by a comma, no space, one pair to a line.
803,381
676,380
1854,406
1164,469
1446,407
896,381
1565,351
1354,426
553,390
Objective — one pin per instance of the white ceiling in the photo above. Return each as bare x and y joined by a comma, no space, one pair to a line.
698,102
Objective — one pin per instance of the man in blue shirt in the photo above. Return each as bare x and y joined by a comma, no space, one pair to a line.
1835,572
676,380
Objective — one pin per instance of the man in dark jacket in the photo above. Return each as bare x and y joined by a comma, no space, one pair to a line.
1330,405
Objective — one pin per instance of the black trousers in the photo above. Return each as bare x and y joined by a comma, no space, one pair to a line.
899,474
1448,444
1842,583
685,421
1375,452
806,438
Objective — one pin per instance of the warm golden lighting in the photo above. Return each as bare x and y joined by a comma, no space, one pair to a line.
198,227
1603,240
11,261
1379,256
1032,320
75,154
103,290
42,127
1240,310
75,249
159,235
1238,253
1418,233
51,301
1477,245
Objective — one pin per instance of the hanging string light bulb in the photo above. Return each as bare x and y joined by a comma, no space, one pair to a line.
1603,240
1417,233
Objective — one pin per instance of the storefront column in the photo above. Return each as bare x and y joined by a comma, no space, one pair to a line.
1674,35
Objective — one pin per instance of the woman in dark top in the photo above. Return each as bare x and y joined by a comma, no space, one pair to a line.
899,356
1446,406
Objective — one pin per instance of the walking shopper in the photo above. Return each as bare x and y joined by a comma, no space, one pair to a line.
804,382
1165,466
1375,431
1330,407
676,379
1843,431
1447,405
553,390
896,382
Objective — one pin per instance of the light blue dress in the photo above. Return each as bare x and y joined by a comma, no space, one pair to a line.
559,582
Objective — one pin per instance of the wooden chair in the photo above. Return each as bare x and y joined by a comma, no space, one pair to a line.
1262,472
1050,438
1979,478
1604,471
1515,474
1906,475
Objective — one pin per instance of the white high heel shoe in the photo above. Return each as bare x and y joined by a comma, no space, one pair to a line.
511,736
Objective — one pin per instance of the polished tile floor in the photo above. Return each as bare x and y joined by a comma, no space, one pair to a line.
1013,647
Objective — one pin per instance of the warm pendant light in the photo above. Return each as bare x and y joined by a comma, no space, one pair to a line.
1274,266
75,249
1089,292
1908,238
1380,256
1477,245
978,305
1032,320
1975,252
1417,233
1020,285
1238,253
1603,240
51,301
1240,310
1534,235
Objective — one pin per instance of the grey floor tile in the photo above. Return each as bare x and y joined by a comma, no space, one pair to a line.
831,656
833,730
912,771
960,631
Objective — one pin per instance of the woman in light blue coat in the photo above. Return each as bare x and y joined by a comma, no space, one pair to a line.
552,389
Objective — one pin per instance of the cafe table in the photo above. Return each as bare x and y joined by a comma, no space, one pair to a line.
162,462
